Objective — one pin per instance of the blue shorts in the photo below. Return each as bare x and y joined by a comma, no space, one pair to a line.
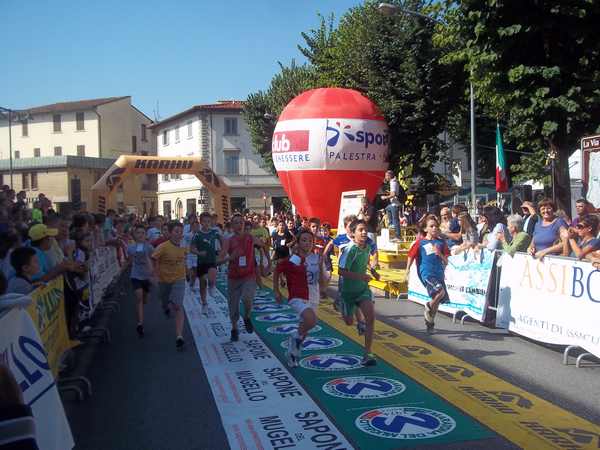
434,285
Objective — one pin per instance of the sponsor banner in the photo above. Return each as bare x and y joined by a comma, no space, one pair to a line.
521,417
556,300
364,387
330,144
317,343
22,351
330,371
47,310
261,404
405,423
104,268
468,279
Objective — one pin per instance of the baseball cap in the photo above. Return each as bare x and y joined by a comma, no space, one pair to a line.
40,231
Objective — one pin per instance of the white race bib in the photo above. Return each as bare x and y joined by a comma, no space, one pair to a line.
242,261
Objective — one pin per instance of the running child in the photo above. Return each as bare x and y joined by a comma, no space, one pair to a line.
304,275
342,242
205,245
431,255
139,255
355,290
169,268
238,252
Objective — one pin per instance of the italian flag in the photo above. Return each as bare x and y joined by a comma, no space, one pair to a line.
501,169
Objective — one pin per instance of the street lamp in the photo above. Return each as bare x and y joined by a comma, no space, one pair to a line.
19,115
552,156
388,9
265,200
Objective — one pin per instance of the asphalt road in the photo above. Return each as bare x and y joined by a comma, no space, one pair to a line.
147,395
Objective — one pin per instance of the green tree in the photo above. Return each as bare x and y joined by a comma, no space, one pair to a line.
393,61
263,107
536,64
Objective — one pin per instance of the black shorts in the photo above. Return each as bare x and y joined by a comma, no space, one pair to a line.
140,284
202,268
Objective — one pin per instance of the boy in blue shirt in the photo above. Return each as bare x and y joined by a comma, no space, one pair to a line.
431,253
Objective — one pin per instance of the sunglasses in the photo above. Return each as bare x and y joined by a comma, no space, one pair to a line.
581,226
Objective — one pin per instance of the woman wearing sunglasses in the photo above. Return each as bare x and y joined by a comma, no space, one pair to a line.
582,237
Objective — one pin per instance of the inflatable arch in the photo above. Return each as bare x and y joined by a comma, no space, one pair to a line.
127,165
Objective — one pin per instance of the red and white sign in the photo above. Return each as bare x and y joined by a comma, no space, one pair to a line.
328,141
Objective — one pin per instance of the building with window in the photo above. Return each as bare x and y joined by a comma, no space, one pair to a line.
64,148
216,132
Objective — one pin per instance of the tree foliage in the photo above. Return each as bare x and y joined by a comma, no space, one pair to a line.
263,107
535,64
393,61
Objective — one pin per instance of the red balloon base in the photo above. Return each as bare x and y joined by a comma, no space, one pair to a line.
316,193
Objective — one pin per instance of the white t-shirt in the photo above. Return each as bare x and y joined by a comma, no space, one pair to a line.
312,263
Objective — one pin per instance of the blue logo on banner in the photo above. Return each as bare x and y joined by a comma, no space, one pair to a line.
270,308
263,301
290,328
278,317
331,362
405,423
363,387
318,343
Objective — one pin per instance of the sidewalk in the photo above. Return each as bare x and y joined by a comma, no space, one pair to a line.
146,394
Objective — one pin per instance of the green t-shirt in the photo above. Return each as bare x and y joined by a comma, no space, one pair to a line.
206,242
354,259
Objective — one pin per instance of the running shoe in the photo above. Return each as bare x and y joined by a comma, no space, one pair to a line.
179,343
369,360
235,335
140,330
427,313
205,309
248,325
293,351
361,328
429,326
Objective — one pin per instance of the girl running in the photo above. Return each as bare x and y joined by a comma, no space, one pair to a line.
304,275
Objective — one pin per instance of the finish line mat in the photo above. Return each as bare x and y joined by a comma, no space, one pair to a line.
330,402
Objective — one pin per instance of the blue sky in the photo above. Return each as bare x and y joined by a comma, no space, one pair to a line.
178,53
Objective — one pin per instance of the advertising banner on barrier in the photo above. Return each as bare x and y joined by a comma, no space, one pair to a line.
556,300
104,267
468,277
47,310
261,404
22,351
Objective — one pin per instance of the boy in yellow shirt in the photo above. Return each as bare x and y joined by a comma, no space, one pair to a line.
169,267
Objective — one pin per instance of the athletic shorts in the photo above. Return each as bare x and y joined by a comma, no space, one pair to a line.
140,284
351,300
300,305
172,292
434,285
203,268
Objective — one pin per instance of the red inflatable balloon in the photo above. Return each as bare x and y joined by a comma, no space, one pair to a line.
328,141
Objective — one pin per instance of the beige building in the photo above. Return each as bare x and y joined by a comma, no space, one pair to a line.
62,149
216,132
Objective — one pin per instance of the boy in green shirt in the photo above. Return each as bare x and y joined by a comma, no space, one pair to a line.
204,245
355,293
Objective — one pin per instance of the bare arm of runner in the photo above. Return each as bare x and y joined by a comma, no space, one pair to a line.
354,276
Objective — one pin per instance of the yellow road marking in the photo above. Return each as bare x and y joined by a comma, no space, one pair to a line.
521,417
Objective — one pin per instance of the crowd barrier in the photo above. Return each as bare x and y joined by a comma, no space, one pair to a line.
554,301
33,340
469,281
